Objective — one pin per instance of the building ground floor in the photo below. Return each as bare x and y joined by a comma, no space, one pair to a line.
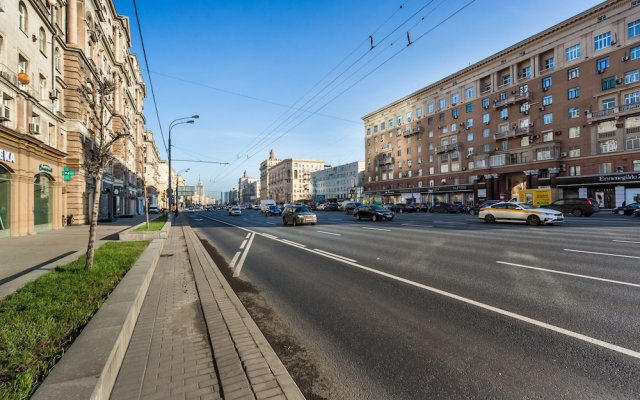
610,190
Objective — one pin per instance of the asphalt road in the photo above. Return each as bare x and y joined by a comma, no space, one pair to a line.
447,306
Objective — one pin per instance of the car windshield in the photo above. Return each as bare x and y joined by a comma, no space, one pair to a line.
378,208
526,206
302,209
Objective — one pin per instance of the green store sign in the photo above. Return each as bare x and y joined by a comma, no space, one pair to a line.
67,173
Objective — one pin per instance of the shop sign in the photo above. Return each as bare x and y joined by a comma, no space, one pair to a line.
6,155
67,173
619,178
45,168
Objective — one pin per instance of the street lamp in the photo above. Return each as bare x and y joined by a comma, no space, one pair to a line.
177,177
178,121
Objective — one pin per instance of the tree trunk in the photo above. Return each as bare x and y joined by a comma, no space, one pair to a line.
97,189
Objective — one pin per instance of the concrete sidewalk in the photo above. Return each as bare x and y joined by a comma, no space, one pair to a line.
193,338
25,258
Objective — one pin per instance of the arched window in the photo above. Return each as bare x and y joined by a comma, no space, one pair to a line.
22,12
42,40
56,58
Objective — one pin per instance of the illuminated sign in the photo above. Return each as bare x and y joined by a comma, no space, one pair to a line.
7,156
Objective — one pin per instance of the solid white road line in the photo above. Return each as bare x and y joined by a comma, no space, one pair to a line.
376,229
244,242
234,259
271,223
269,236
335,256
330,233
293,243
478,304
569,273
421,226
236,271
625,241
601,254
247,237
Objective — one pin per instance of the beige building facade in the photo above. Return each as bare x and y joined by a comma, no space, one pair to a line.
288,181
560,109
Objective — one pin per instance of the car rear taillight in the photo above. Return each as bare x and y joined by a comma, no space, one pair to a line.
588,202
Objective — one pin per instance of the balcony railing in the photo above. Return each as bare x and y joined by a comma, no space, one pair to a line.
614,112
526,96
448,147
415,130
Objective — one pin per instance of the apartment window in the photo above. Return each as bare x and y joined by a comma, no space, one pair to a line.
399,142
573,93
572,53
504,145
22,17
607,104
605,168
485,101
454,127
399,132
631,76
547,136
455,113
368,131
608,146
409,116
574,112
574,132
409,164
419,149
506,79
431,157
609,83
469,136
469,93
547,118
549,63
408,150
444,168
497,160
635,165
634,53
399,120
523,89
430,107
486,147
486,118
486,133
633,29
574,152
441,117
543,154
442,103
632,98
419,112
574,170
469,107
602,64
546,83
503,96
455,98
573,73
57,60
469,123
382,126
42,41
601,41
375,129
430,121
469,151
525,107
504,113
430,134
632,143
42,87
390,123
399,152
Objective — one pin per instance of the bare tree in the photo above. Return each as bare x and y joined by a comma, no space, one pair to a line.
97,95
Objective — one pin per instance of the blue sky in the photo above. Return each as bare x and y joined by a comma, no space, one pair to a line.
250,69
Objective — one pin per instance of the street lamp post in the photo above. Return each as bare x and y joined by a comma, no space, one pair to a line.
184,120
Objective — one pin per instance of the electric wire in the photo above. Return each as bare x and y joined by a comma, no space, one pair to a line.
146,62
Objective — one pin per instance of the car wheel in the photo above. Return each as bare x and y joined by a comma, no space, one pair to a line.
577,212
374,218
489,219
620,212
472,212
533,220
390,219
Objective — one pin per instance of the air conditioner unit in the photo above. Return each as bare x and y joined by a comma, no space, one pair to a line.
625,58
5,114
34,128
505,118
545,88
601,71
541,108
463,168
563,154
53,95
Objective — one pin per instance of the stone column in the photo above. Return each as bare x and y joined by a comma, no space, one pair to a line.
488,184
496,186
72,22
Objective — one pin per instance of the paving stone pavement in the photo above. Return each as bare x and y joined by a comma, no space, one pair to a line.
169,356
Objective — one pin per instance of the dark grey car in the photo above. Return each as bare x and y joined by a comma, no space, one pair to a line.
298,215
578,207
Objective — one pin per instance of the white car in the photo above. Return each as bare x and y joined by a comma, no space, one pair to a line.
235,210
519,212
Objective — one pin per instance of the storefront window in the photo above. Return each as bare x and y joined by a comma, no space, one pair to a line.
5,201
42,202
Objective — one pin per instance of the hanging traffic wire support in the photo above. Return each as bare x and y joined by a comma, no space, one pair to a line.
408,39
371,41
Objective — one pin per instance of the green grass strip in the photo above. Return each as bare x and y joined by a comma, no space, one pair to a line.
154,225
39,322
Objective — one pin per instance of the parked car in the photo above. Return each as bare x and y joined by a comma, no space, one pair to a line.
321,207
445,208
636,213
519,212
235,210
331,207
154,210
577,207
298,215
350,207
374,213
421,207
463,208
273,210
628,209
476,209
402,208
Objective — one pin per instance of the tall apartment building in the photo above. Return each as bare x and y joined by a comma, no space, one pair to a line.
249,189
338,183
151,168
288,181
560,109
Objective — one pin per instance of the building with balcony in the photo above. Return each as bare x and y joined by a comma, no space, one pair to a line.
559,109
248,189
338,183
287,181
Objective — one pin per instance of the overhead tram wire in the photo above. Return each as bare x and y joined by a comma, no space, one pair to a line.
369,73
146,63
251,147
249,156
